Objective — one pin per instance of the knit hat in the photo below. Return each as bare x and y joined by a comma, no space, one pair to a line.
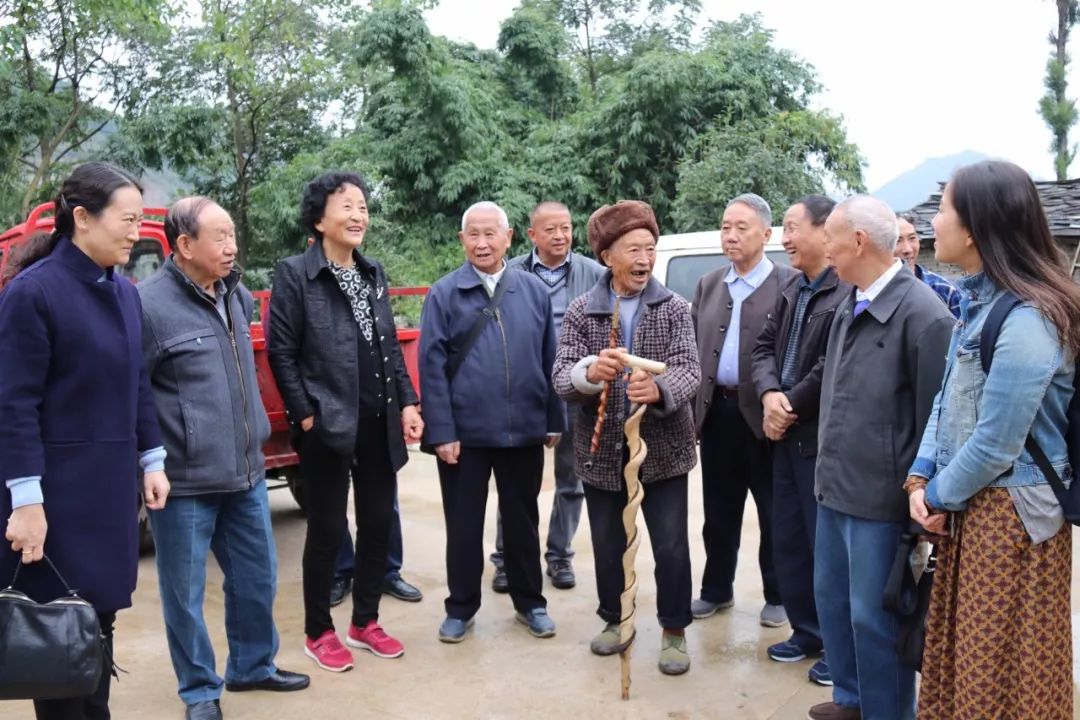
611,222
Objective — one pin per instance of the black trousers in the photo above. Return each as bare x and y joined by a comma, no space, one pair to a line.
733,462
90,707
665,508
326,495
794,526
518,474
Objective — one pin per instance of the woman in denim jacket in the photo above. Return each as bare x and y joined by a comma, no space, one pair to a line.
998,637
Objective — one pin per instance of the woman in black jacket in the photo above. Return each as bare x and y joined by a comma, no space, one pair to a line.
334,354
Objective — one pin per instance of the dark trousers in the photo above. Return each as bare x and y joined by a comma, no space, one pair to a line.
794,525
327,495
665,509
90,707
566,507
733,462
518,473
345,564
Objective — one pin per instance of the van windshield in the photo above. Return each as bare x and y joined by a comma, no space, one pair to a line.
684,271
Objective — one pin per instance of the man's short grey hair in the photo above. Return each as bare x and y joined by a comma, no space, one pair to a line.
874,217
504,222
183,218
755,203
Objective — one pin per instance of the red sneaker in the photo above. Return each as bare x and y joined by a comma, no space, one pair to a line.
328,652
375,640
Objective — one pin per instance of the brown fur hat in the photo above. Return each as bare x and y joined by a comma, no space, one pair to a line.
611,222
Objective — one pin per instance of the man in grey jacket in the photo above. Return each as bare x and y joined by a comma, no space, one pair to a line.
887,348
567,276
198,352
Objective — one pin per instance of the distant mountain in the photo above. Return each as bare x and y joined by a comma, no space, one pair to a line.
914,186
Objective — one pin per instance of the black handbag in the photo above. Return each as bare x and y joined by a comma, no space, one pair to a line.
48,651
910,600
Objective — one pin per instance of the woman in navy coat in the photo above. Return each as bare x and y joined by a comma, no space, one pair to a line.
77,411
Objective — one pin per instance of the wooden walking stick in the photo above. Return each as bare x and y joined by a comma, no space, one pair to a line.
601,408
635,493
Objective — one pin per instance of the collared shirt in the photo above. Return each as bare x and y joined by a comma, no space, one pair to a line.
740,287
807,287
551,275
878,285
490,281
949,293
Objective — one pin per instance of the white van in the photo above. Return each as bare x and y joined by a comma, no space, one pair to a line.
681,260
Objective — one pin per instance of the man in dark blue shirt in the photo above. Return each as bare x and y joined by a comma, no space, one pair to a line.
907,249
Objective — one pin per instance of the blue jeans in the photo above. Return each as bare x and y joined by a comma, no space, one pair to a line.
852,559
345,564
236,527
565,511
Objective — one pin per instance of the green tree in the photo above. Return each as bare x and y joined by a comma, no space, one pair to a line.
534,46
241,91
651,117
605,31
1057,110
781,157
69,67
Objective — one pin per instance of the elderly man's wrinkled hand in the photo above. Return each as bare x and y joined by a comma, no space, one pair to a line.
608,366
778,415
643,389
155,489
449,452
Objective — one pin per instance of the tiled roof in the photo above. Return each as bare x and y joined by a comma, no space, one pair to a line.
1061,200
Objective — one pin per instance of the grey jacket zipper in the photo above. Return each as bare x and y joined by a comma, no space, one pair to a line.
506,360
240,373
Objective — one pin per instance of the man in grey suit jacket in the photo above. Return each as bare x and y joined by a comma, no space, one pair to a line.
735,456
887,348
567,275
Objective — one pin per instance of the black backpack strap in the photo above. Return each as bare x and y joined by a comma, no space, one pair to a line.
475,331
991,329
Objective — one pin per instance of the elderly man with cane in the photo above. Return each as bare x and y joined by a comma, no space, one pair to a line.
629,311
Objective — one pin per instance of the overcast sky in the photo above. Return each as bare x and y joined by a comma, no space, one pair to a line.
913,80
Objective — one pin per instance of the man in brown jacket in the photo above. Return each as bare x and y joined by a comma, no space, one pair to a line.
653,323
734,452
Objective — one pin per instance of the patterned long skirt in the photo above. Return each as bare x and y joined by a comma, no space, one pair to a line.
999,632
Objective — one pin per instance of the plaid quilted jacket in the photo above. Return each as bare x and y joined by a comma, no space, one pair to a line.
664,332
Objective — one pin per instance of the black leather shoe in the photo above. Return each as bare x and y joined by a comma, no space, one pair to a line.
340,590
396,587
561,573
280,681
500,583
208,710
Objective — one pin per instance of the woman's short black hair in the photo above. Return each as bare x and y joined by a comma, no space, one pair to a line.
313,205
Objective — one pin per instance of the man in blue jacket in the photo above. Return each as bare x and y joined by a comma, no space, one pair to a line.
199,356
566,276
487,344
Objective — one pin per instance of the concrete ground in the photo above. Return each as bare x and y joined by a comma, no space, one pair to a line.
499,671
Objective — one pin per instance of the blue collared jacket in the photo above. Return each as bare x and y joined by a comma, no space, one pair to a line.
502,395
978,425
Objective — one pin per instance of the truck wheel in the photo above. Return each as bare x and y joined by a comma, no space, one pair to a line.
296,487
